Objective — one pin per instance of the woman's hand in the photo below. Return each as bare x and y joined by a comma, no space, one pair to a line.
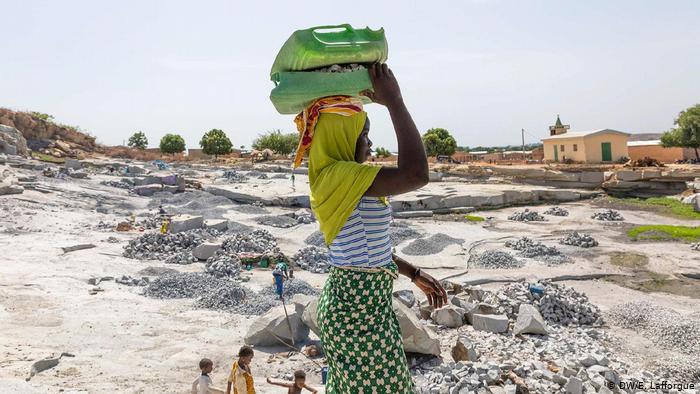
437,296
386,88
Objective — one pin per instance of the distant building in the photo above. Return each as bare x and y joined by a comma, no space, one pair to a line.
595,146
515,155
653,149
464,157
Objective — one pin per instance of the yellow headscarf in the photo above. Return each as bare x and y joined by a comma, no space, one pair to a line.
337,181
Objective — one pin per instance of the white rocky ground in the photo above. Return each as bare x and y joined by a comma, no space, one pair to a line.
125,342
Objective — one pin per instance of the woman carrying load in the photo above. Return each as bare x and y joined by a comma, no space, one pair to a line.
359,329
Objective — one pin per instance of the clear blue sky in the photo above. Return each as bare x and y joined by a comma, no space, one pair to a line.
481,69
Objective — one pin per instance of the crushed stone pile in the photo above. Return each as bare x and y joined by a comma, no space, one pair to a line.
149,222
279,221
257,204
341,68
569,359
664,326
208,292
291,287
312,258
695,246
104,226
256,241
129,281
495,259
432,245
263,176
223,265
556,211
316,239
537,250
401,231
250,209
558,304
234,177
173,248
667,329
579,239
118,184
609,215
527,216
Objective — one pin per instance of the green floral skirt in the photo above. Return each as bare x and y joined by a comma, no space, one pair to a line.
361,335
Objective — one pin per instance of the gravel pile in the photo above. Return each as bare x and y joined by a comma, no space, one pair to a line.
537,250
279,221
316,239
609,215
234,177
173,248
558,304
118,184
224,265
579,355
556,211
341,68
695,246
129,281
256,241
495,259
250,209
401,231
208,291
312,258
432,245
579,239
291,287
665,327
263,176
527,216
149,222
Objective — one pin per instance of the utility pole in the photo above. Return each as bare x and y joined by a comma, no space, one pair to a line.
523,136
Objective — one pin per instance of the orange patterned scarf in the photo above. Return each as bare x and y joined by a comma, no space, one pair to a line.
306,120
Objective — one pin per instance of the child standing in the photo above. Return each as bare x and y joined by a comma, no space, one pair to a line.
298,385
202,385
241,379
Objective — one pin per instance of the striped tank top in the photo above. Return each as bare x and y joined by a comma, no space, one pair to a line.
364,239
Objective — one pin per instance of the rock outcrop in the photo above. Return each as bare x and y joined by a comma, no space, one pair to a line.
12,142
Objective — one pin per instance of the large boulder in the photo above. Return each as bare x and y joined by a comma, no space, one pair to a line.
266,328
12,141
147,190
406,296
464,350
182,223
309,317
206,250
449,315
217,224
529,321
490,323
417,338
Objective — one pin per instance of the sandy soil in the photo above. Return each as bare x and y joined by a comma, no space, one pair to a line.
124,342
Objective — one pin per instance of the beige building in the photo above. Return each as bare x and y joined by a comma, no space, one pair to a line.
595,146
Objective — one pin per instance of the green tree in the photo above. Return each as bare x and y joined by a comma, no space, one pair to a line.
382,152
172,143
138,140
438,141
215,142
687,134
277,142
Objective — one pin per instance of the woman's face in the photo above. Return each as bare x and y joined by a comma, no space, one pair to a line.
363,147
